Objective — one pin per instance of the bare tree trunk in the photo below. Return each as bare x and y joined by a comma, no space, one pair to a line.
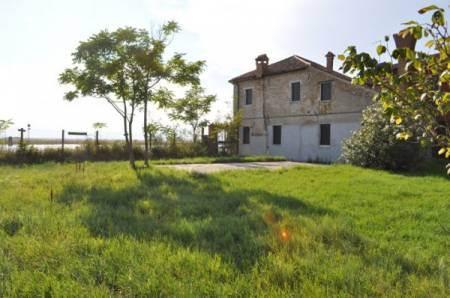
130,145
150,139
146,153
194,134
129,134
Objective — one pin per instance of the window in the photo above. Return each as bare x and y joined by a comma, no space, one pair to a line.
248,96
325,90
277,134
246,135
295,91
325,134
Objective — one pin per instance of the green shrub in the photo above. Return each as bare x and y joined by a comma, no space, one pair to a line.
374,145
89,151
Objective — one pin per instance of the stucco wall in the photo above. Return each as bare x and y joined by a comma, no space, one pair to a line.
300,120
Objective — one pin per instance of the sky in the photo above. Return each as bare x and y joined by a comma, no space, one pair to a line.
38,37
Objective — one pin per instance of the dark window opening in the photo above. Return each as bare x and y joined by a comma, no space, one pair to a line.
325,91
246,135
277,134
325,134
248,96
295,91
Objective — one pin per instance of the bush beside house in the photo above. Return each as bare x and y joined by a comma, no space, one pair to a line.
375,145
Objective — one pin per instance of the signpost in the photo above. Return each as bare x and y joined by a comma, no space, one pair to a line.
21,135
79,161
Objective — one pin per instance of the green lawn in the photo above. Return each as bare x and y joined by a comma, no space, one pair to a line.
307,231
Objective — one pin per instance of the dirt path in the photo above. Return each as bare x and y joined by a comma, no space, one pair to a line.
217,167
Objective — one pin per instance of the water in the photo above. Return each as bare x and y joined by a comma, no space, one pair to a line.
41,146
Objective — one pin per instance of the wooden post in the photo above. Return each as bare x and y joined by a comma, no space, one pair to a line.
96,138
21,135
62,145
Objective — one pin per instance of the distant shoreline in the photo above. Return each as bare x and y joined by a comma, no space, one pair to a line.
68,141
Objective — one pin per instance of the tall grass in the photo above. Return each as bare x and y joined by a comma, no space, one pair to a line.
322,231
88,151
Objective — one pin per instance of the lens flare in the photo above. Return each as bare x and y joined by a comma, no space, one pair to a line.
284,234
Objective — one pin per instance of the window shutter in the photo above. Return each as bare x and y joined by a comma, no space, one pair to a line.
248,96
325,134
325,91
295,91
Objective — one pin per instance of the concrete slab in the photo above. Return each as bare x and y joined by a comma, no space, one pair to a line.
218,167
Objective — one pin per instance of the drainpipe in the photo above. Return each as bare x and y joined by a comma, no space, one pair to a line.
265,116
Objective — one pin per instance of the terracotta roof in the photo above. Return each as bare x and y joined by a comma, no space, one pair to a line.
289,64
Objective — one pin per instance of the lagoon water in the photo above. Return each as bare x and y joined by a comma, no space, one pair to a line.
40,146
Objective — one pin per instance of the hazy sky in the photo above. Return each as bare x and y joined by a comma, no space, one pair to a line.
37,38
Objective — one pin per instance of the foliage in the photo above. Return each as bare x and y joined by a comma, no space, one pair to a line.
230,130
192,108
5,124
123,67
416,93
99,125
110,232
162,153
375,145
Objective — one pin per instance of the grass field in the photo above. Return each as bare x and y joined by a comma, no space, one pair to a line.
308,231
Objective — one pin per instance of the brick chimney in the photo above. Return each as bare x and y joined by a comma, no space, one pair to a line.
262,61
330,60
407,41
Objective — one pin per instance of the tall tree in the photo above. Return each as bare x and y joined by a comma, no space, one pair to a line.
413,86
192,108
123,67
154,70
103,68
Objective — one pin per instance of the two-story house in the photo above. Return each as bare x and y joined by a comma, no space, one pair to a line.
297,108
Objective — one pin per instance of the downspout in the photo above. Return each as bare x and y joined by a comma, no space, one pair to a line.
265,116
236,111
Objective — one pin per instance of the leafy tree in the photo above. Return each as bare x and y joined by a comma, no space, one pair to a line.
5,124
152,130
374,145
99,125
192,108
171,135
153,70
124,67
230,127
413,86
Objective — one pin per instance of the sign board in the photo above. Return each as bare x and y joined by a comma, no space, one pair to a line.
76,133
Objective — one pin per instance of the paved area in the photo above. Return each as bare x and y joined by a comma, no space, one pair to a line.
217,167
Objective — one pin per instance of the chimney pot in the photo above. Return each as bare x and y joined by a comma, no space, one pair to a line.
330,60
408,41
262,61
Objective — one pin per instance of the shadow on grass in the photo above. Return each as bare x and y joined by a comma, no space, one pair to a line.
197,211
190,210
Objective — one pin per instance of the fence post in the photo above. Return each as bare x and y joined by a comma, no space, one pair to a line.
62,145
